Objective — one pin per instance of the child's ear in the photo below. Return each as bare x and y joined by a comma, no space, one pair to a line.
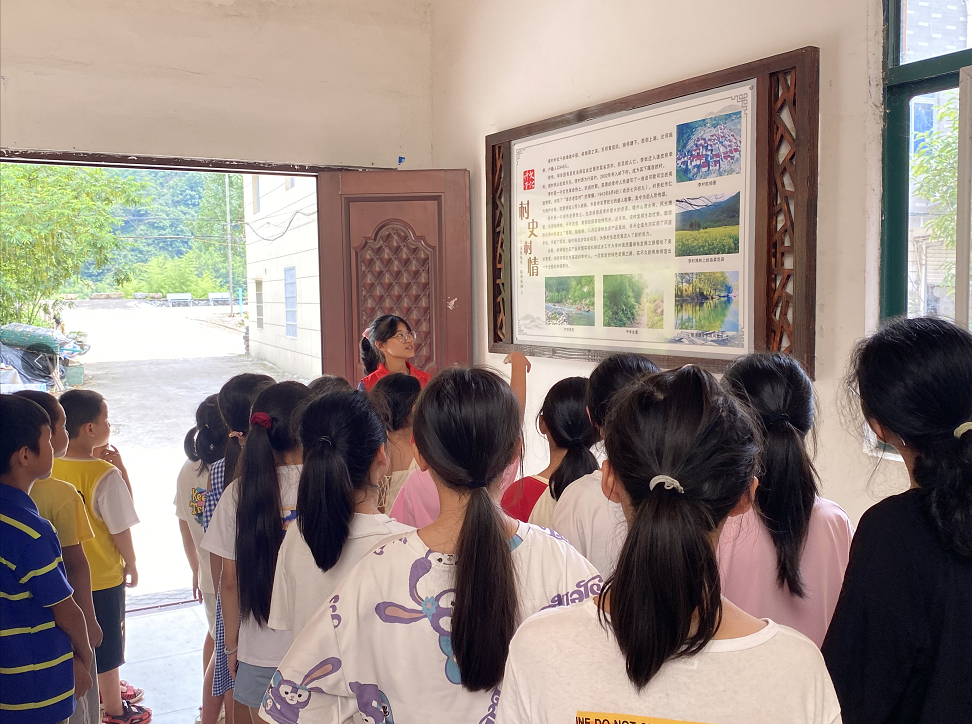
610,485
419,460
745,503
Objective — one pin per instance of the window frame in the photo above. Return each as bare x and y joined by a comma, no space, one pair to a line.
287,310
902,82
258,301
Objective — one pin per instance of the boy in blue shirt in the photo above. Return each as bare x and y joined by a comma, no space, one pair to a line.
45,657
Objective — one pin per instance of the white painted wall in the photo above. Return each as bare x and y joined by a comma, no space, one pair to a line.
283,233
304,81
504,63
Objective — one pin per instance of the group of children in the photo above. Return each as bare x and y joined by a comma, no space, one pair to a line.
695,574
67,554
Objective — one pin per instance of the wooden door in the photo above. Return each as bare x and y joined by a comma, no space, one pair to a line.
395,242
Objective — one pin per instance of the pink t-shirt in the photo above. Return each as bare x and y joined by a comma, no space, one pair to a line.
417,503
747,562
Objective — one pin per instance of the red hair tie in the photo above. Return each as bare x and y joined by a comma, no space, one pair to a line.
262,419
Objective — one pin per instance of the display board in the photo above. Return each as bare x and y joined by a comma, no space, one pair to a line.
636,230
679,222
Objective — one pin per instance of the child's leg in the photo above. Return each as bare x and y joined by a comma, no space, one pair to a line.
241,712
210,704
228,708
255,715
111,692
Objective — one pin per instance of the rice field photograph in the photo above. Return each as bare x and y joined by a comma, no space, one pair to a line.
707,225
633,301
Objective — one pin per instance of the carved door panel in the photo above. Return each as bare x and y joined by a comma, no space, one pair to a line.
396,243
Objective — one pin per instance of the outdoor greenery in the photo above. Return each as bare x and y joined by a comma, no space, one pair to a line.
706,242
628,302
54,220
570,291
70,230
700,286
933,173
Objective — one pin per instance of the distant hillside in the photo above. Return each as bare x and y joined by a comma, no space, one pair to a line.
723,213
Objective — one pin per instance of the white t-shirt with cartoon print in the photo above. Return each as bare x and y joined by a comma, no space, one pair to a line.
381,651
258,645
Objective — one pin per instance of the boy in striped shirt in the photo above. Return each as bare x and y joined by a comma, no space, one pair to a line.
45,656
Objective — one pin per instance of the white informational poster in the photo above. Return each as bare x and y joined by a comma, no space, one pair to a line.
635,231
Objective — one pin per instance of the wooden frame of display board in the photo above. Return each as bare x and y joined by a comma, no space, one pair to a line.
785,131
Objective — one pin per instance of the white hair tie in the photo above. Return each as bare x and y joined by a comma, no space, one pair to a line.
669,482
962,429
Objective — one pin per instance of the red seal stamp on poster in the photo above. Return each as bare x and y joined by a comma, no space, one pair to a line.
529,180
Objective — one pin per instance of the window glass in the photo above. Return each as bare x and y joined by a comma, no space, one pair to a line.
258,292
290,299
930,28
932,204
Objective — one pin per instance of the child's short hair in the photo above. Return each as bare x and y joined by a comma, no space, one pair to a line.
44,399
21,421
80,408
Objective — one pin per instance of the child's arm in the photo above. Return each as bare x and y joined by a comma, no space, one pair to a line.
215,568
68,618
123,542
521,365
79,576
190,550
229,599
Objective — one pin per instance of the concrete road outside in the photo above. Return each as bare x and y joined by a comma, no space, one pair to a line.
154,365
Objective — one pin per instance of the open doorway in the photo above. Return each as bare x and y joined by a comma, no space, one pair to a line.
163,283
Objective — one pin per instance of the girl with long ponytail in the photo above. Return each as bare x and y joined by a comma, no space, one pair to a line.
246,532
660,643
338,520
420,628
784,559
900,643
563,420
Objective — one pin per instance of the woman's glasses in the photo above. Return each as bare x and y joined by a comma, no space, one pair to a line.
405,337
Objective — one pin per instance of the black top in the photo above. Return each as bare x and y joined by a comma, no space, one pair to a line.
899,648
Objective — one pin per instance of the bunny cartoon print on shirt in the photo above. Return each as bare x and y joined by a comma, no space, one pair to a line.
285,699
372,703
436,608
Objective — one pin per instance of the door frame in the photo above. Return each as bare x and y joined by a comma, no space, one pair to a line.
175,163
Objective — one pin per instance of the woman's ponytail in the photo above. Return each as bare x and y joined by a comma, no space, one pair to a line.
259,528
914,378
468,427
569,428
685,453
780,393
341,435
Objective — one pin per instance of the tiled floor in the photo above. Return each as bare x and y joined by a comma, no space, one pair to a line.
164,656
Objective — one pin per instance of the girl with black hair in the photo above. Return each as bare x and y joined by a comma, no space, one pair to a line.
785,558
564,422
420,629
900,643
204,444
234,400
590,522
660,643
338,520
395,396
246,532
386,348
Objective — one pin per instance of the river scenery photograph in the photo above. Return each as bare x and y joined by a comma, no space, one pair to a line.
634,301
569,301
707,301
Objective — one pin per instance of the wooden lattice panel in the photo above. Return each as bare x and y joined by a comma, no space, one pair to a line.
395,277
779,307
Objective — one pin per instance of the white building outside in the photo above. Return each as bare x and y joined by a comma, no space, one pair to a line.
283,275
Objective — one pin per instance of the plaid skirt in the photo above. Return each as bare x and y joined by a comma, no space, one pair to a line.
222,681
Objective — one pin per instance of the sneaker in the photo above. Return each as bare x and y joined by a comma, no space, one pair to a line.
131,714
129,693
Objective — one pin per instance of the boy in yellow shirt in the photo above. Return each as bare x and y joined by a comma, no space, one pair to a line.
61,504
111,555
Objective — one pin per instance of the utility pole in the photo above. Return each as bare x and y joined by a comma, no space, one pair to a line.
229,245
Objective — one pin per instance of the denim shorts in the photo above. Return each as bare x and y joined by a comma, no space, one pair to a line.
251,684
